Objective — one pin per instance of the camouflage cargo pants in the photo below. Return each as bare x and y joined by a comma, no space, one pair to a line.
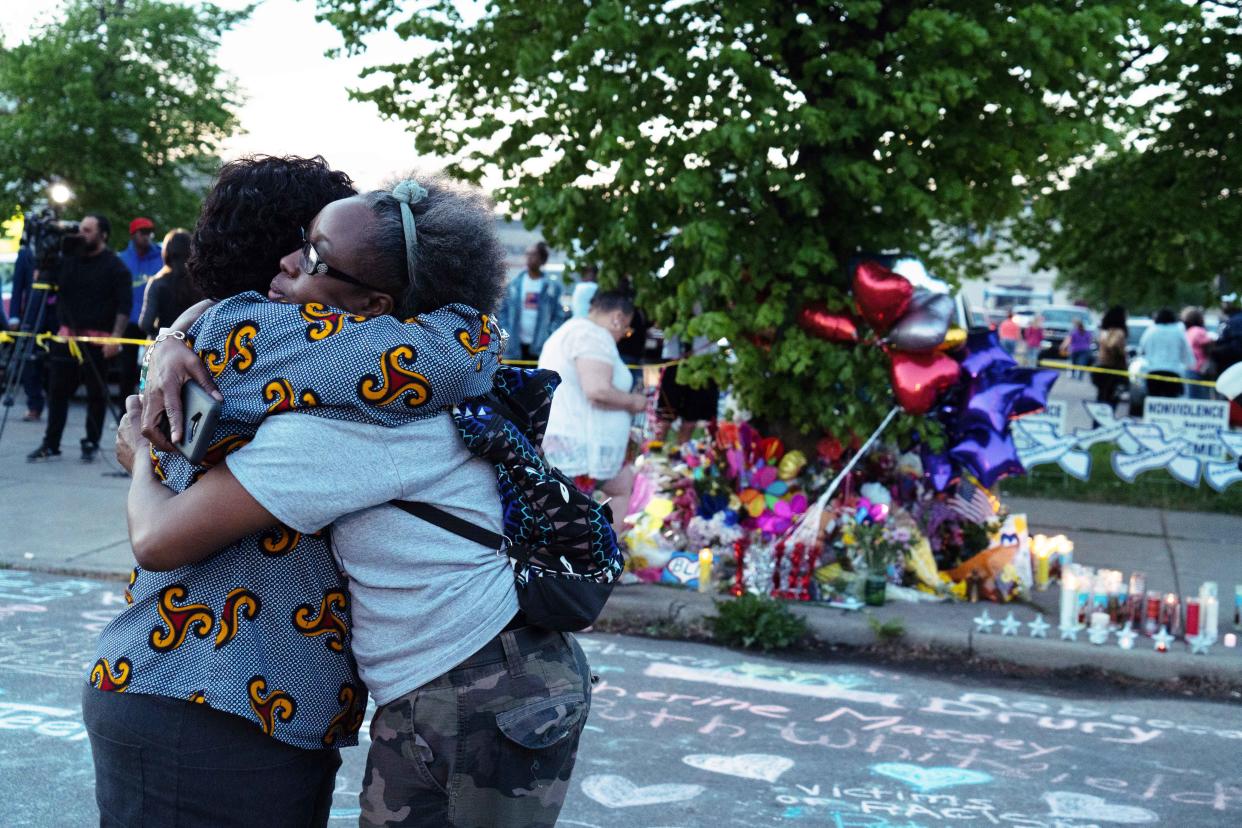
490,743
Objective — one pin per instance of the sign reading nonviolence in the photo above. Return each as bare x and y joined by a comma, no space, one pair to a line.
1200,422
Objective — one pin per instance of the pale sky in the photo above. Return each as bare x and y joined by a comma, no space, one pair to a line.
296,99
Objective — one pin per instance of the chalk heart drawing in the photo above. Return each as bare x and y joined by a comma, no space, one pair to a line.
762,766
1089,808
930,779
614,791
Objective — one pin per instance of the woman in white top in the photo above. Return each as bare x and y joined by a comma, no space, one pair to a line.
589,426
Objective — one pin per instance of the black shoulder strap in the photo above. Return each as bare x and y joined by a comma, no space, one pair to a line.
450,523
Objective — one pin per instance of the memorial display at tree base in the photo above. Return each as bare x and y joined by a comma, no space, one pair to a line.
861,520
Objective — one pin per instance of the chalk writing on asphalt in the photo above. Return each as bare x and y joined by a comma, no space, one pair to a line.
42,720
682,735
22,586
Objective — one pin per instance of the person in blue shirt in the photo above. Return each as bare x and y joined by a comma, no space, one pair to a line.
532,307
1165,348
144,259
23,313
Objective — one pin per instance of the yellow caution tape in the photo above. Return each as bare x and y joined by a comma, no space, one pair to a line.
1095,369
42,339
530,363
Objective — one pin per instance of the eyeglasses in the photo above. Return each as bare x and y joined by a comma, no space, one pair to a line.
313,265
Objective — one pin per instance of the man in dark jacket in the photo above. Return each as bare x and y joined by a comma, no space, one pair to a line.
1228,346
93,298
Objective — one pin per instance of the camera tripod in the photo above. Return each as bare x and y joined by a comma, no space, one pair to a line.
22,352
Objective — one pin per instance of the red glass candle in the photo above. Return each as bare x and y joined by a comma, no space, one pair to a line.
1151,619
1192,616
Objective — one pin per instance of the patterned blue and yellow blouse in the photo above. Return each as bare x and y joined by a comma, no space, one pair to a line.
261,629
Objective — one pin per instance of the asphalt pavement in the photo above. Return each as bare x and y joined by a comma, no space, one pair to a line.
683,735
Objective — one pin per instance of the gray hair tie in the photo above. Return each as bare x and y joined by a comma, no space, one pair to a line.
406,193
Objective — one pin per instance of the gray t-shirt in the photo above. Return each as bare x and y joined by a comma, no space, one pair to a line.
423,599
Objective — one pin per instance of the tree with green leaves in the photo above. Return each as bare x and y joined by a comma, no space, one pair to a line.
121,100
732,158
1155,222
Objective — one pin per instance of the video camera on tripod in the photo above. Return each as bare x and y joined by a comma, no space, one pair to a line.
51,239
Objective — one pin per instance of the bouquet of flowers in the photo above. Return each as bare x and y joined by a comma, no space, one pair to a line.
876,544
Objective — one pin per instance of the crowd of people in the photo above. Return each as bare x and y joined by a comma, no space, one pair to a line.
1178,352
92,291
591,337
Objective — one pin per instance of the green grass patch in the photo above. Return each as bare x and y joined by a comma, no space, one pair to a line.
756,621
1154,489
887,631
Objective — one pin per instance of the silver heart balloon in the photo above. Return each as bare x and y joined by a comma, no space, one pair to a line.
924,324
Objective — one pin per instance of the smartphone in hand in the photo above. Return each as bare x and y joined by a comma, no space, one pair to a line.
201,410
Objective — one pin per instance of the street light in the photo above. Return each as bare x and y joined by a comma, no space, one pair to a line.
60,193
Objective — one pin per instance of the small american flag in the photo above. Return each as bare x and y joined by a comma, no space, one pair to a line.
972,502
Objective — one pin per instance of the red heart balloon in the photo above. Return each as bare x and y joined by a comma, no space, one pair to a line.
919,377
882,296
834,327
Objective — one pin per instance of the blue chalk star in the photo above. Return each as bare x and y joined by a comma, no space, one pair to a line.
1070,633
1010,625
1039,627
984,622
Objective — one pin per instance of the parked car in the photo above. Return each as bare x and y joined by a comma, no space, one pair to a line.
1136,326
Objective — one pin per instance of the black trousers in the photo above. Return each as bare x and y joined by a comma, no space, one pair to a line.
1171,387
64,375
164,761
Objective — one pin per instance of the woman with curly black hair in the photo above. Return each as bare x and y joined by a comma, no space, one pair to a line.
253,216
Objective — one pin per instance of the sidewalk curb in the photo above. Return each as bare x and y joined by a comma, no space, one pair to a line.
66,570
648,604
